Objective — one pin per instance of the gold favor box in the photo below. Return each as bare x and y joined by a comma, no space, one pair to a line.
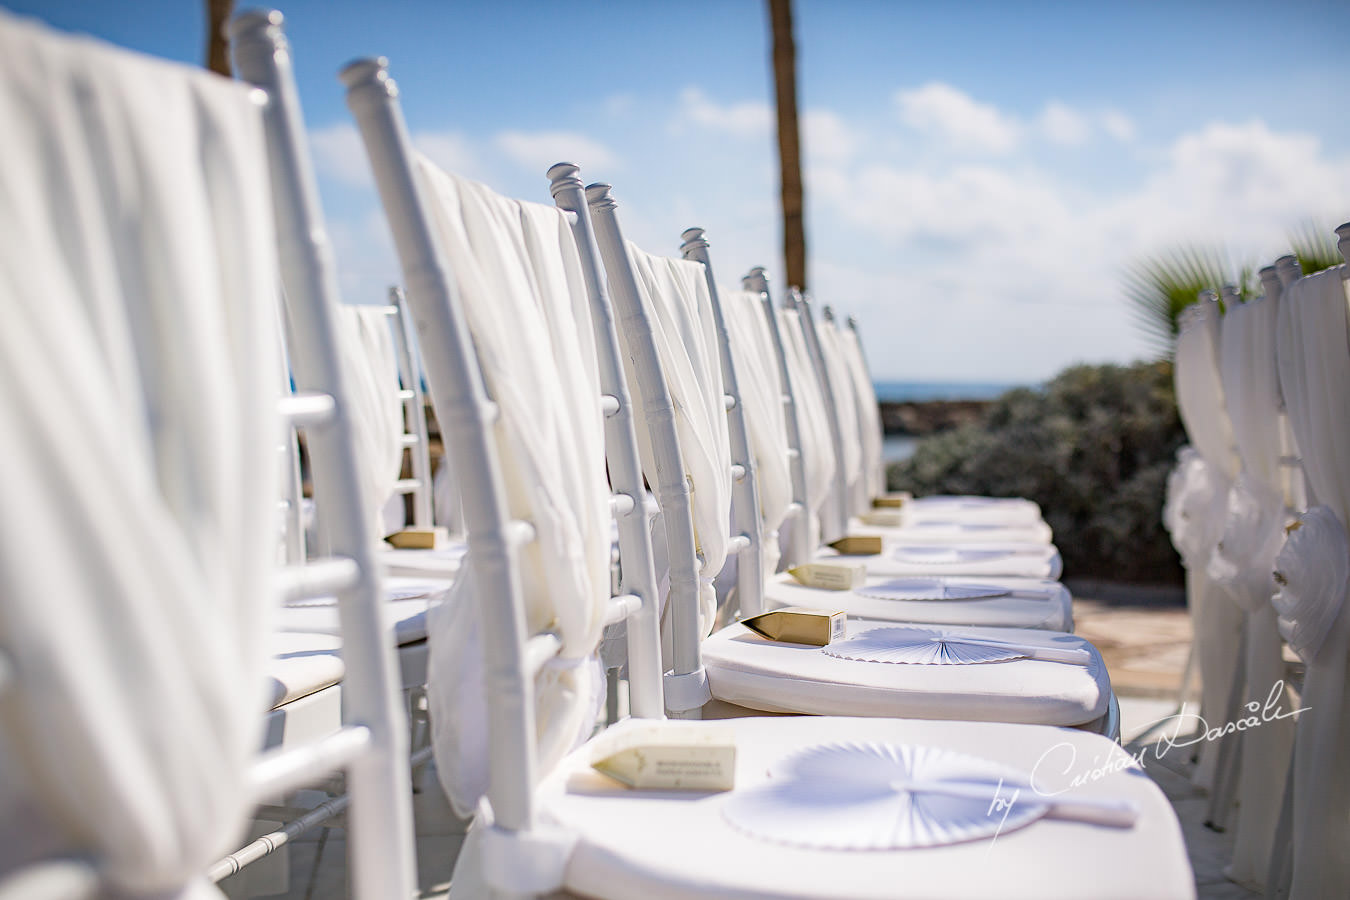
830,576
858,545
799,625
419,538
892,501
669,756
883,518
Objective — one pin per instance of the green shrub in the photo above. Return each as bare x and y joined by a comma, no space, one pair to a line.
1093,447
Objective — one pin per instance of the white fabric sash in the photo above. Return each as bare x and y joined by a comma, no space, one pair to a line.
366,351
1314,363
869,415
519,278
846,403
675,295
762,392
817,448
138,433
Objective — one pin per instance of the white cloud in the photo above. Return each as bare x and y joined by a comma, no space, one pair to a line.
826,136
957,118
537,150
741,120
1117,125
450,150
339,154
1063,125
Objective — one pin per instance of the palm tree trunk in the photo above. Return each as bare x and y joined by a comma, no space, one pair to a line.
217,47
789,142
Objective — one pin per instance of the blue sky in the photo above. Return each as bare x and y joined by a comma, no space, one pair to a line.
978,174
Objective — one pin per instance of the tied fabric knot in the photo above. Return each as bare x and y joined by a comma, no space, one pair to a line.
1194,514
1312,570
1244,556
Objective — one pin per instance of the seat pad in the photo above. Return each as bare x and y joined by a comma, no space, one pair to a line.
749,670
442,562
677,845
1031,603
939,529
406,614
302,664
1019,559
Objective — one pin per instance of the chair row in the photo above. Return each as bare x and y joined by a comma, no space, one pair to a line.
1257,509
566,368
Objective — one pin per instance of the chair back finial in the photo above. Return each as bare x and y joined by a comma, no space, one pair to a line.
1289,269
1343,242
756,280
1270,282
1231,297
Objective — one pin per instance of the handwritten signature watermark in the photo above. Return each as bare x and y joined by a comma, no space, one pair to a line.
1186,730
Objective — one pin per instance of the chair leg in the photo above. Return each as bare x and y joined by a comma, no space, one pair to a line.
1280,873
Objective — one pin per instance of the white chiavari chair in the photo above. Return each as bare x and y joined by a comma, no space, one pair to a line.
1312,571
758,674
149,771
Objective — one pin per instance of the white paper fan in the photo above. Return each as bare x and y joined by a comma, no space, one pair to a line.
919,646
930,589
946,556
409,593
873,796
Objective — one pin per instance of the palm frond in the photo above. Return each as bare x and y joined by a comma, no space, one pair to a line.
1315,247
1159,287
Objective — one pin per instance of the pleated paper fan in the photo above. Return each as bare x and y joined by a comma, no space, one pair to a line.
875,796
946,556
409,593
917,646
930,589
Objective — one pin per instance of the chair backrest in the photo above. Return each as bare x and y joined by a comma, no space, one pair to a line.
847,406
372,746
504,277
834,519
367,353
746,523
761,391
653,346
147,254
415,436
869,411
798,545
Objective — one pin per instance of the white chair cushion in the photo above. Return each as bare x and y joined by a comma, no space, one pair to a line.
936,528
1031,603
302,664
676,845
442,562
405,614
1019,560
752,671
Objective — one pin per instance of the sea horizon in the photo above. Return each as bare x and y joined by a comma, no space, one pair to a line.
898,391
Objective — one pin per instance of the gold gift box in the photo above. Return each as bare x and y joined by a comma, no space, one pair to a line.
830,576
666,756
892,501
419,538
799,625
858,545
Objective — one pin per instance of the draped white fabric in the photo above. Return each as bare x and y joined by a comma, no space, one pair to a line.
1243,562
869,414
762,393
366,352
1314,363
675,295
138,429
519,278
817,449
843,393
1201,498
